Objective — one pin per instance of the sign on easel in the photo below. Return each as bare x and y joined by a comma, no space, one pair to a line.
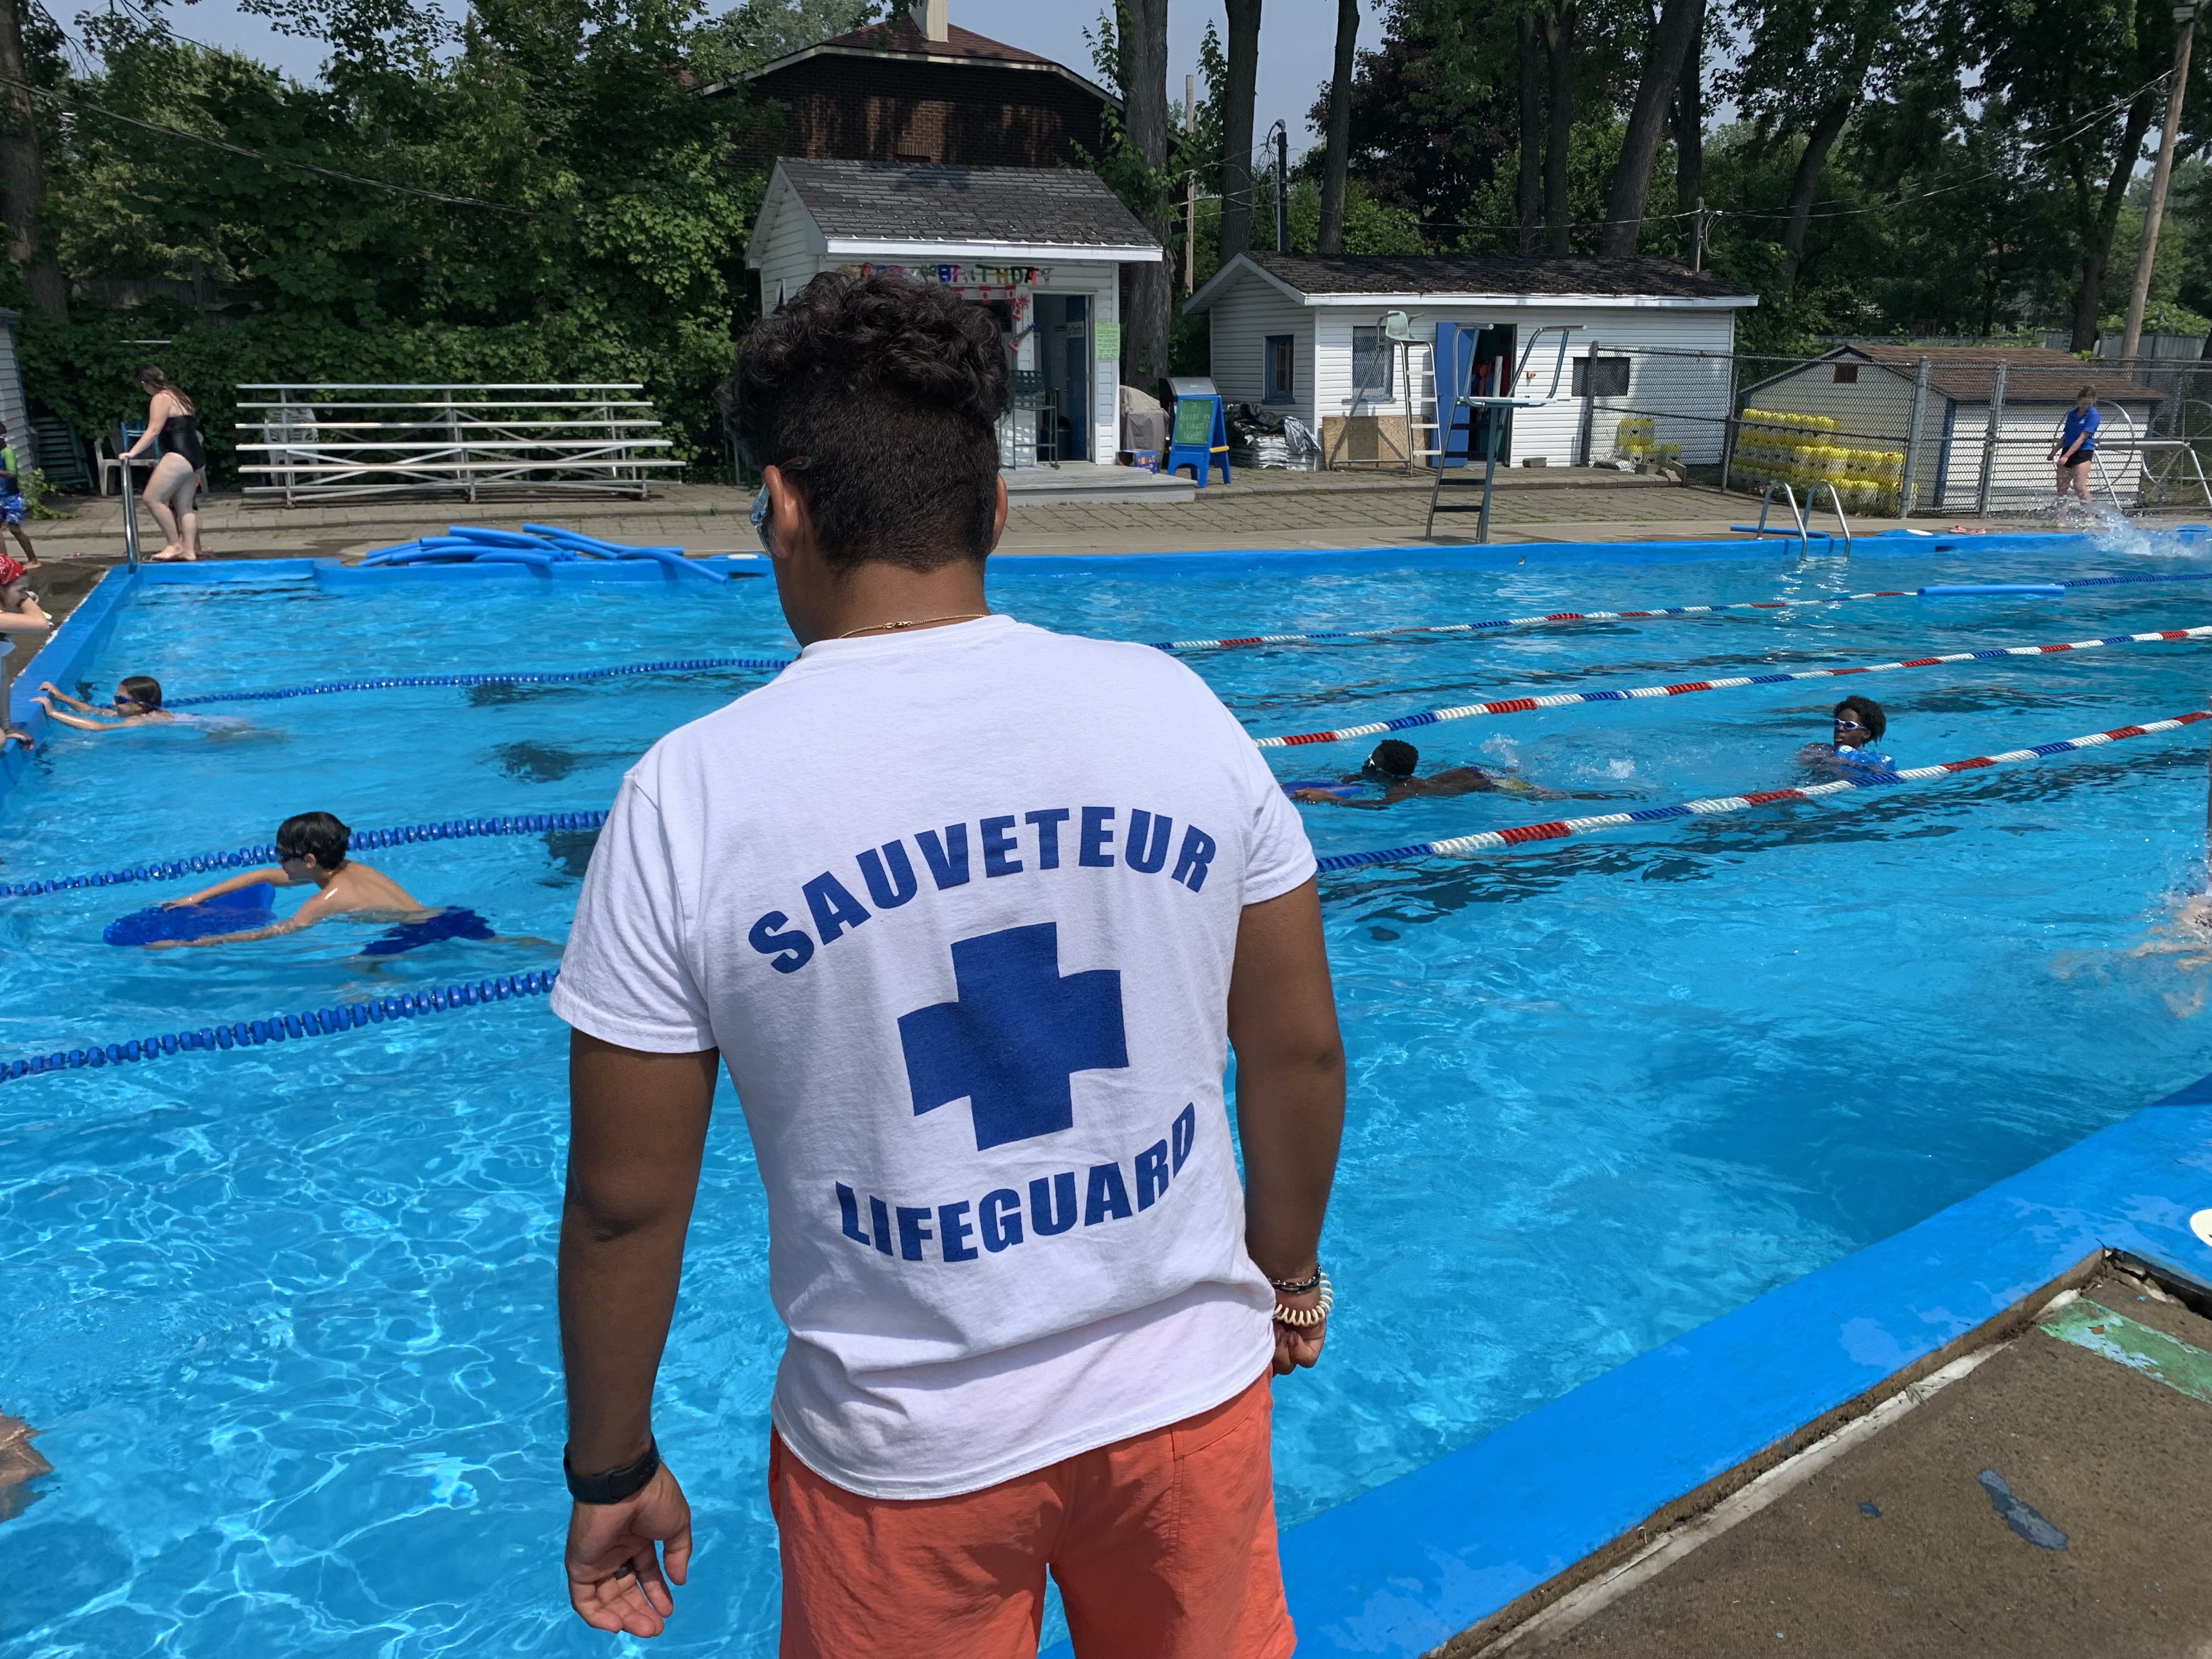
1201,438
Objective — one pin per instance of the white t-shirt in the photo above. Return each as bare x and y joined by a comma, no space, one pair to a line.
958,907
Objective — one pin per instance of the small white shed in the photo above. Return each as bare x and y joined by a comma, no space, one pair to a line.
1043,247
1301,334
1868,389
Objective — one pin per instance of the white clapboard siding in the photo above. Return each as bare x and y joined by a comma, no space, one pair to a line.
1687,393
788,263
12,408
1877,413
1243,318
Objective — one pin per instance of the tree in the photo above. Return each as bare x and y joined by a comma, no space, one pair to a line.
1528,186
23,173
1687,118
1142,37
1669,42
1339,131
1809,64
1559,41
1242,92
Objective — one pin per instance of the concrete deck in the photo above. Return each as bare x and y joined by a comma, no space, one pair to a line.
1078,509
1913,1542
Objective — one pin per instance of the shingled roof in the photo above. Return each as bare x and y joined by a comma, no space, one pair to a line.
2034,374
902,33
935,203
1438,276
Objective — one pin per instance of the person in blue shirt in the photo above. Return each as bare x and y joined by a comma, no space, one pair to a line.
2076,447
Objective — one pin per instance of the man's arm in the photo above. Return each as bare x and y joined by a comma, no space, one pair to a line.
637,1129
1290,1095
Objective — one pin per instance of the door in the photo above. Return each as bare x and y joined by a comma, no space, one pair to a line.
1064,325
1473,363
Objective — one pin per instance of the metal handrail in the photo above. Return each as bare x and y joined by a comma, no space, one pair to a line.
129,500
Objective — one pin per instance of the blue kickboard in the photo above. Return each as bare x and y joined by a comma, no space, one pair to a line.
237,912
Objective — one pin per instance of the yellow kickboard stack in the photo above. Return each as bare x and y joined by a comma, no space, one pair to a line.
1777,446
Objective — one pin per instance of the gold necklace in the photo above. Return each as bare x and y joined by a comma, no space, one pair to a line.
919,621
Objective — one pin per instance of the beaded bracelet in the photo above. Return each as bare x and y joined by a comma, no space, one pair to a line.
1302,1318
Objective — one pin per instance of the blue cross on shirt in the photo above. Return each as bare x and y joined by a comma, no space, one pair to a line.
1019,1029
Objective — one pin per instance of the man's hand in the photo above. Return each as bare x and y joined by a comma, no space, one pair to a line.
1297,1345
616,1581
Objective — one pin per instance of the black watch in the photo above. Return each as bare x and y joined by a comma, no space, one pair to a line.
615,1484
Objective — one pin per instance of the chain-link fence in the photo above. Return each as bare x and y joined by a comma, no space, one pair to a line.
1889,429
1873,429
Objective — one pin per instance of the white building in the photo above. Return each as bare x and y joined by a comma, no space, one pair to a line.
1043,247
1868,389
1301,334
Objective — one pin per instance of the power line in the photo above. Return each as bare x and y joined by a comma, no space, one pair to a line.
83,104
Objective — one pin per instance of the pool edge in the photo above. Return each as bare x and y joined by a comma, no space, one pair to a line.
83,634
1405,1568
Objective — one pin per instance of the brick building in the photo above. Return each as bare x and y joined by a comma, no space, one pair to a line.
915,88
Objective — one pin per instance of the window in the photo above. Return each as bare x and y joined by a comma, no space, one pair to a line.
1281,365
1374,361
1847,375
1600,377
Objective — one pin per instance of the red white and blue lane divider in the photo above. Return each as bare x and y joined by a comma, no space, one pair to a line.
284,1028
1645,615
239,858
1565,699
535,676
1871,778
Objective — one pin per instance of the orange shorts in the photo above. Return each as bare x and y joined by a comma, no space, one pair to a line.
1163,1544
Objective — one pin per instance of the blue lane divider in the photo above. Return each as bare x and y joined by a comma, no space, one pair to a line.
525,824
1552,618
284,1028
326,687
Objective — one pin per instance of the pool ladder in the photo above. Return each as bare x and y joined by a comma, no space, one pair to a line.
1803,534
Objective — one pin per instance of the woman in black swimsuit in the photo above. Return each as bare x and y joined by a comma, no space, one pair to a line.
173,428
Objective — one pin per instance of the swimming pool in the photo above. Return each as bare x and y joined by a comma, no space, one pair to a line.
285,1313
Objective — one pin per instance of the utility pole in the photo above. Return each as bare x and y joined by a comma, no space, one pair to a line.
2184,26
1698,245
1189,185
1282,137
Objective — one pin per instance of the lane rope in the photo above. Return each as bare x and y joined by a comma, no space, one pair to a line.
326,687
1618,616
284,1028
1522,833
523,824
1565,699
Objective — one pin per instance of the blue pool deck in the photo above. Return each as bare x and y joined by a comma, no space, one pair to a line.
1410,1564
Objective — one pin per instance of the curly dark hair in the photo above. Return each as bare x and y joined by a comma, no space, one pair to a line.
1866,712
878,397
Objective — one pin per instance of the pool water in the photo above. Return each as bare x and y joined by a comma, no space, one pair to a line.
284,1315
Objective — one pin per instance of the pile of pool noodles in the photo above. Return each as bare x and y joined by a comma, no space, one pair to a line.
541,544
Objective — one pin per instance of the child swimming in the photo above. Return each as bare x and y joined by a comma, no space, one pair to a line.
1395,764
311,850
1858,725
137,702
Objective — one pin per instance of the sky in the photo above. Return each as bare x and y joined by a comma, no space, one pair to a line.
1298,42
